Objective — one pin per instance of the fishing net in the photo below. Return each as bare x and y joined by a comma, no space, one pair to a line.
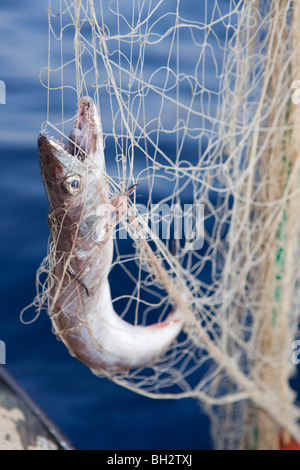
199,107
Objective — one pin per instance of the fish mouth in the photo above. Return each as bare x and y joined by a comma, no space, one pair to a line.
85,142
86,136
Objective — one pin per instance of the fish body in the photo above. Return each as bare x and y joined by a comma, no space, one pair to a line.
80,221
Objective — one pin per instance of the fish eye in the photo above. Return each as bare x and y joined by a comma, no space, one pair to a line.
72,184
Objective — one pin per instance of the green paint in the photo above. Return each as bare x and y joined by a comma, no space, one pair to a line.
281,232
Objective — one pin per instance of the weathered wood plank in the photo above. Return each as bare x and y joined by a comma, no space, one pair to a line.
23,425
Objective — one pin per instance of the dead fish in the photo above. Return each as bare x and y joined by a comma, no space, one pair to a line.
79,303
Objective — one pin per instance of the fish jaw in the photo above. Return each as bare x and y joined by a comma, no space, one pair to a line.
83,157
86,138
55,161
58,168
49,158
85,144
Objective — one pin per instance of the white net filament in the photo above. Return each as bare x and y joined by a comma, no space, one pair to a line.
197,109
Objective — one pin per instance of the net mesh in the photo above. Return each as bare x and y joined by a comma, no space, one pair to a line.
198,108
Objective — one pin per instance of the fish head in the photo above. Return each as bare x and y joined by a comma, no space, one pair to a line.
74,174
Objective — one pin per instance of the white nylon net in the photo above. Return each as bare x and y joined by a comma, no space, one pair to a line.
196,107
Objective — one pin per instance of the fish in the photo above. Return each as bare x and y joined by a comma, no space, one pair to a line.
81,219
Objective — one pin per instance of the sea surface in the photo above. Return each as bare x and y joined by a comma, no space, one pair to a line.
92,412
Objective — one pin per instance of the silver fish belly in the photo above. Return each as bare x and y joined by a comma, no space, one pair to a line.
80,304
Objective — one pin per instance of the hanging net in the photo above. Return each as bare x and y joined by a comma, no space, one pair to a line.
199,108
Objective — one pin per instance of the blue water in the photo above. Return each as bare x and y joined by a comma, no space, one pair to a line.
93,413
